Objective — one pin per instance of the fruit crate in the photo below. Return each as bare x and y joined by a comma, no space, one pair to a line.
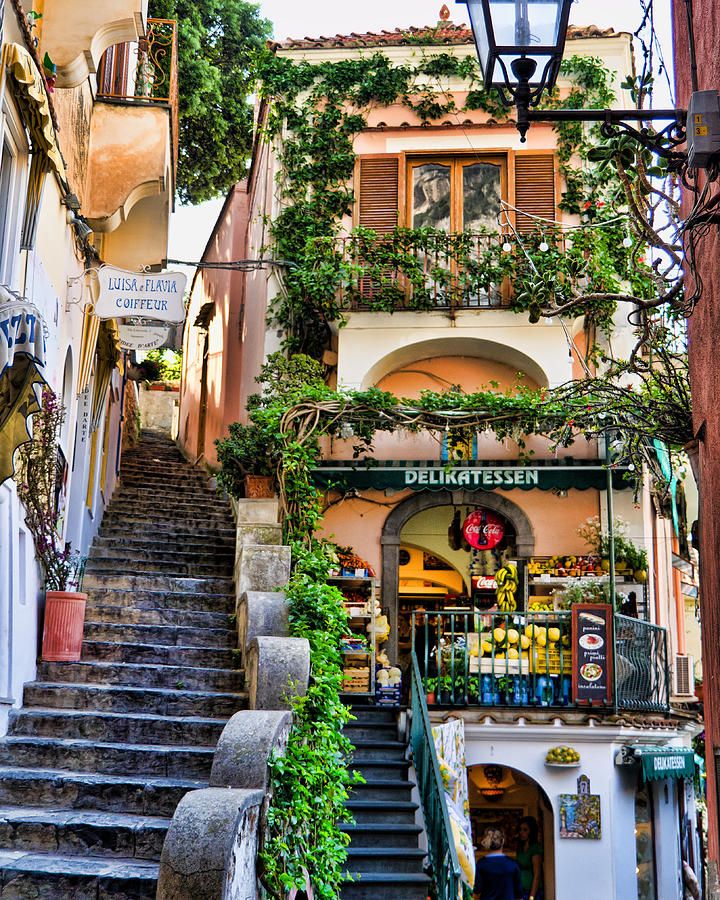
548,662
356,680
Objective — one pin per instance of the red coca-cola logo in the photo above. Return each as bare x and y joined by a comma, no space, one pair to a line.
483,529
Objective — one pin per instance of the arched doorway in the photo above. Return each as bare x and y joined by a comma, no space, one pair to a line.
501,797
438,507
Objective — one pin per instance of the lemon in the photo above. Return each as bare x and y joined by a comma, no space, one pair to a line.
513,636
486,647
554,634
513,653
524,641
500,635
529,630
541,640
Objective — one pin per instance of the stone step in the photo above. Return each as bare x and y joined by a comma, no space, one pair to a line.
132,674
380,835
92,725
127,598
126,699
373,715
161,551
158,567
157,542
168,635
164,583
385,859
171,496
158,654
366,812
389,769
379,731
82,832
45,876
387,790
386,886
380,751
158,760
197,621
169,532
133,519
139,795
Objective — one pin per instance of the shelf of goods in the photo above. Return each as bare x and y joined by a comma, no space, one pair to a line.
532,650
360,647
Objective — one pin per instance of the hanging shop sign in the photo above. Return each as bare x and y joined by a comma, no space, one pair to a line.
143,337
153,296
21,333
592,636
483,529
490,476
659,762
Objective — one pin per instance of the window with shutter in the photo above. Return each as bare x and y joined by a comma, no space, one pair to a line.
378,193
534,189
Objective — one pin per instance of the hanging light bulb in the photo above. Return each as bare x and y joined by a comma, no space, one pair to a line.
627,241
507,247
544,247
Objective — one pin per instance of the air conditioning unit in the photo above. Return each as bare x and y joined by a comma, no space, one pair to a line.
684,676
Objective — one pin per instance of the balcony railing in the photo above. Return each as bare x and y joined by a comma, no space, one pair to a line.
420,269
145,71
469,659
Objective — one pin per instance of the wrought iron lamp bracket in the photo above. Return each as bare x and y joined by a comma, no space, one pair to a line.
660,142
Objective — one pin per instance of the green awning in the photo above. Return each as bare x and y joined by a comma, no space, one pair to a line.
485,475
665,762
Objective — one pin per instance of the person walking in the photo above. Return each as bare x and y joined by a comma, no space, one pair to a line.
529,858
497,877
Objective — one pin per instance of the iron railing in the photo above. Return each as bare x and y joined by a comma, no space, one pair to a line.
418,269
441,846
144,71
642,666
471,658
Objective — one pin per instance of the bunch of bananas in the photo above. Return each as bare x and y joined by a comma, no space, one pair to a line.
506,579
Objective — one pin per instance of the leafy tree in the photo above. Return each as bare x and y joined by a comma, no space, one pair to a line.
217,43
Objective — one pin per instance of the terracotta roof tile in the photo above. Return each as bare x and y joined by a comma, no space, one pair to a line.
442,33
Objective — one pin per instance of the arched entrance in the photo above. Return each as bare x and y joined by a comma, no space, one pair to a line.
392,538
505,798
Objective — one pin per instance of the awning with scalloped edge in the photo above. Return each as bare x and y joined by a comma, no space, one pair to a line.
18,401
29,91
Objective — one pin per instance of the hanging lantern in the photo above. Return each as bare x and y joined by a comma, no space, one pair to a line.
483,529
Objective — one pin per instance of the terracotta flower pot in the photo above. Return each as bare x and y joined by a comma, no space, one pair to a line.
430,698
259,487
64,624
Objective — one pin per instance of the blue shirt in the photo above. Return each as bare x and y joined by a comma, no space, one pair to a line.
498,878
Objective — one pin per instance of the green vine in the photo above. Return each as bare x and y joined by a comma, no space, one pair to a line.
318,109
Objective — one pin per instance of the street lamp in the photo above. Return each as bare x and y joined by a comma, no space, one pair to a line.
520,46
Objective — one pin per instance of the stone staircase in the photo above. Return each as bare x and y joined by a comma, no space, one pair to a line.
384,855
103,750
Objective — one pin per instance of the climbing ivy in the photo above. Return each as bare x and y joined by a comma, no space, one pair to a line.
315,110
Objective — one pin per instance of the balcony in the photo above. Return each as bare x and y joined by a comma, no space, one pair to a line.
511,660
422,269
134,146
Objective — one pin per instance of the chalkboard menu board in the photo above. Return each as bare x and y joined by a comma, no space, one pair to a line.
592,635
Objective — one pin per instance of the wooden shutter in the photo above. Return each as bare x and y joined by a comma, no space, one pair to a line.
534,189
378,193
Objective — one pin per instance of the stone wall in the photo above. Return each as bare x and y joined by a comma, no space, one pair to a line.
157,409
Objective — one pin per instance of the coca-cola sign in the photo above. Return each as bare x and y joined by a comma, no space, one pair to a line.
483,529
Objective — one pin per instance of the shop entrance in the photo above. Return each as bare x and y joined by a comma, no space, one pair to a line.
506,799
429,567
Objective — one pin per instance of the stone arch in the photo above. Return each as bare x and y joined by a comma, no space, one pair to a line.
455,346
404,511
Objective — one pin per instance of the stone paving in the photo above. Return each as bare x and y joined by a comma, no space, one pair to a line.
103,750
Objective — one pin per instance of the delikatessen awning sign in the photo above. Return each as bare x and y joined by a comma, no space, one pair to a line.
504,475
129,294
659,762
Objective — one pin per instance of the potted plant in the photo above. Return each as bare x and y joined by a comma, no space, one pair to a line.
248,462
430,688
37,477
